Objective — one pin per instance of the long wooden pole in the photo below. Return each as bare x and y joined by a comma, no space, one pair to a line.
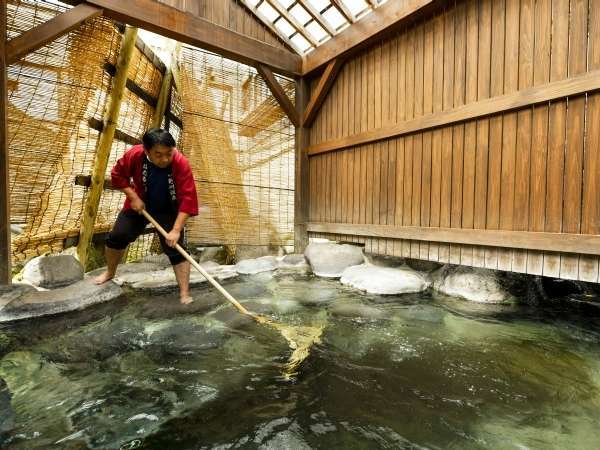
5,264
301,188
110,119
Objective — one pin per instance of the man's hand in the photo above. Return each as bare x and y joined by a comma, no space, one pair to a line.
137,204
172,237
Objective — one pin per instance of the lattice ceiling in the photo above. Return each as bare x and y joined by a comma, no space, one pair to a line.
306,24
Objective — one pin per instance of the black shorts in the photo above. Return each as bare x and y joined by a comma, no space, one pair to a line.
129,225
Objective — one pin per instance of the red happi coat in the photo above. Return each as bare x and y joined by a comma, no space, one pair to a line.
129,168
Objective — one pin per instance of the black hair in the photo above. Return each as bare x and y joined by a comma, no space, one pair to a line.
157,136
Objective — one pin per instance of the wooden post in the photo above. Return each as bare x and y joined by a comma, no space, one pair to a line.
110,119
301,188
5,265
165,90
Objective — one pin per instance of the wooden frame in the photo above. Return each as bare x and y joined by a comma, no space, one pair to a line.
584,244
292,20
579,85
317,16
363,32
279,94
39,36
175,24
301,178
323,87
344,11
5,251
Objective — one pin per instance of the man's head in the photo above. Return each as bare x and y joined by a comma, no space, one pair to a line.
159,146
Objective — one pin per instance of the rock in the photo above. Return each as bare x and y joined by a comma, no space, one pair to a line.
216,254
13,292
161,260
330,260
294,263
477,285
384,260
252,266
353,309
243,252
422,265
164,280
7,415
53,271
384,280
74,297
123,269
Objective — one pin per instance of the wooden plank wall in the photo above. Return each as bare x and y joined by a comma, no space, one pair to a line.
230,14
532,169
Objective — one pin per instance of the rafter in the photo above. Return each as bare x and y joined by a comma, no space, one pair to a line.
321,91
39,36
279,94
189,29
293,21
260,16
343,9
366,30
317,16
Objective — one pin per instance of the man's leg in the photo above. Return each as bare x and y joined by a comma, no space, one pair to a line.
182,275
113,257
126,229
181,266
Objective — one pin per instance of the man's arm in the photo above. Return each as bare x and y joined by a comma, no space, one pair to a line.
137,204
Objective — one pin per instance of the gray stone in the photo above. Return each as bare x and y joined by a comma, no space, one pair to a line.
477,285
294,263
7,415
53,271
329,260
216,254
74,297
423,266
352,309
253,266
164,280
123,269
384,280
243,252
384,260
161,260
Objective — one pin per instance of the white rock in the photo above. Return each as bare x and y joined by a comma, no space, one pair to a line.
477,285
330,260
384,280
293,263
252,266
53,271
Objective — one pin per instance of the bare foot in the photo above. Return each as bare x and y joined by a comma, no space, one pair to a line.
186,300
101,279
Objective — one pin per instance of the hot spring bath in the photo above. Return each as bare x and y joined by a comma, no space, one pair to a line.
412,371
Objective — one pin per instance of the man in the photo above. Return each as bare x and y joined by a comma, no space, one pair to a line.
154,176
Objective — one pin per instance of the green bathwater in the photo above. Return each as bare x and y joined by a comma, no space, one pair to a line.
391,372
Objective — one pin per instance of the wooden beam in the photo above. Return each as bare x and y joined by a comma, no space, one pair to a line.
317,17
292,20
301,181
5,251
98,125
39,36
580,85
110,120
279,94
586,244
186,28
344,11
132,86
361,34
165,90
321,91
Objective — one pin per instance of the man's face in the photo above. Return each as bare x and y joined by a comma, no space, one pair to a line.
160,155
